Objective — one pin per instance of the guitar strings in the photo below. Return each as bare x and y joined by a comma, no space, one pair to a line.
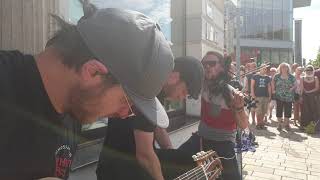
194,175
199,169
186,175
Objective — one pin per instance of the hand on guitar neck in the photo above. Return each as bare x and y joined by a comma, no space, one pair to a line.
209,167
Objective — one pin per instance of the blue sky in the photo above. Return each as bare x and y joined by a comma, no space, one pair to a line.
159,10
310,28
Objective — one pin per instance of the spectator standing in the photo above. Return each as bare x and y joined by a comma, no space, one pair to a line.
252,66
261,91
310,104
273,102
297,96
283,86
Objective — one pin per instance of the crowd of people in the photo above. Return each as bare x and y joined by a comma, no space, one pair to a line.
290,90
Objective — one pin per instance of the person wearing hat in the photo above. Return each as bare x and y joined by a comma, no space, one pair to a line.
109,61
129,143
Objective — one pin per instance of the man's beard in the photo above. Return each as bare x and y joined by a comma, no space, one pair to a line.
82,103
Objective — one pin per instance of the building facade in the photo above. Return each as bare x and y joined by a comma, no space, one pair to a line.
267,29
230,26
298,42
197,27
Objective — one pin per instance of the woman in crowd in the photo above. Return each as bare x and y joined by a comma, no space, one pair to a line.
297,96
310,104
221,111
273,102
283,86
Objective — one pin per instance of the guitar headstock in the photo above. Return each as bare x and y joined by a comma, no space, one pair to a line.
210,163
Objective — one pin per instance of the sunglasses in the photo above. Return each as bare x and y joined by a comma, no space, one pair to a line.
129,103
210,63
309,70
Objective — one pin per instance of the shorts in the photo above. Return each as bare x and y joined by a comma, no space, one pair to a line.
262,105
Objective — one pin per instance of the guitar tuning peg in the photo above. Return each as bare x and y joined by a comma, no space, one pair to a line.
194,157
199,154
203,153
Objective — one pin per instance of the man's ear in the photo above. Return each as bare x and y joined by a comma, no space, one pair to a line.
174,78
92,71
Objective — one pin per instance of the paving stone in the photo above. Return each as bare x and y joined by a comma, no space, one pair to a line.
295,166
287,178
275,163
253,178
298,170
315,173
273,166
266,176
311,177
258,169
314,170
292,159
290,174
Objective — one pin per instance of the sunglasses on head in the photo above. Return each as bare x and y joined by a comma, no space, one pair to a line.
210,63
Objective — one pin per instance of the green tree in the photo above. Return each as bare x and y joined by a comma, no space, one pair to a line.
316,62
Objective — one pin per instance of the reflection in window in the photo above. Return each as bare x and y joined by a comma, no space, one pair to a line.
209,10
210,35
267,19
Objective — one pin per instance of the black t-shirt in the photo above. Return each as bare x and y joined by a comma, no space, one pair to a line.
35,141
118,151
261,85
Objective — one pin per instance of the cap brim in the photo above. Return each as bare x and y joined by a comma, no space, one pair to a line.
152,109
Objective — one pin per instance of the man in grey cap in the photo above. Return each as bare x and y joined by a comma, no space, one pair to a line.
109,61
129,144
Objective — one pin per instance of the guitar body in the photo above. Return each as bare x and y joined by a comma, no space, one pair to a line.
209,167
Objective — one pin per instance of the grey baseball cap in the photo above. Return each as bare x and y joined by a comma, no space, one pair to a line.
136,52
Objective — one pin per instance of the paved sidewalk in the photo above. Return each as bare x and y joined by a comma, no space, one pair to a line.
280,156
283,156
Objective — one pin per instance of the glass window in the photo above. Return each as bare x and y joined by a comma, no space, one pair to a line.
277,19
209,9
284,56
250,19
258,18
209,32
287,12
243,19
265,55
267,20
275,56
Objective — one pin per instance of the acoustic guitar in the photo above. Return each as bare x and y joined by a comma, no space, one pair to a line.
209,167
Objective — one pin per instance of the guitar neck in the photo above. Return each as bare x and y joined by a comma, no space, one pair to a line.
197,173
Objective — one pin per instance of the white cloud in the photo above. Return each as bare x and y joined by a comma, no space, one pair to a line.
138,5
